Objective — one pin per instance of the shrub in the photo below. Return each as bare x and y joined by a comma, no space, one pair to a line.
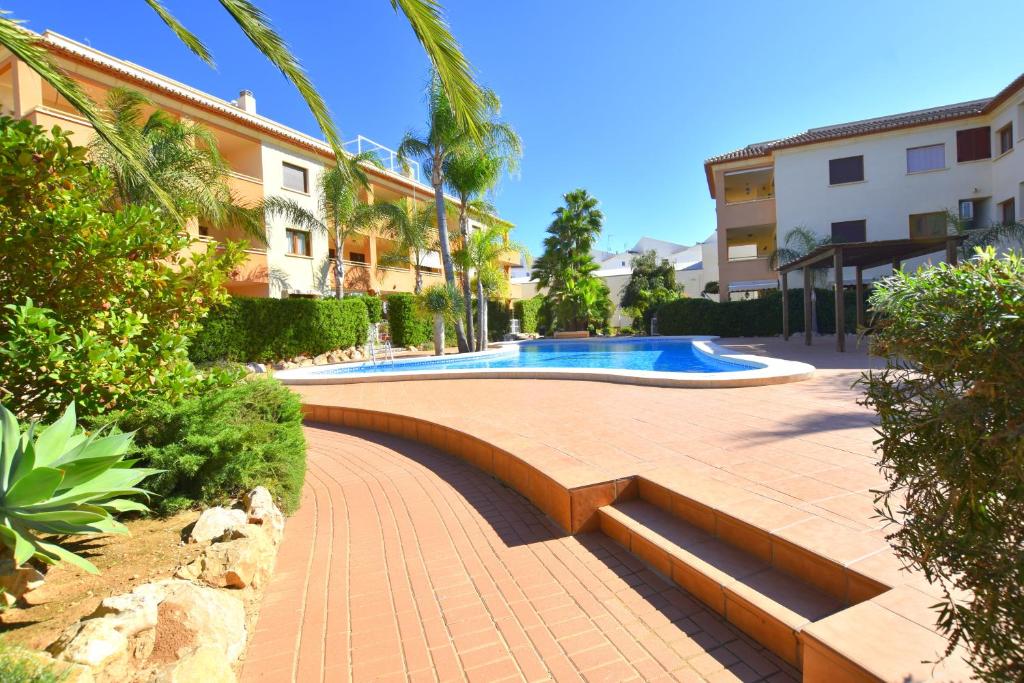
752,317
949,402
265,330
374,306
408,323
18,665
527,310
55,481
220,444
100,301
499,319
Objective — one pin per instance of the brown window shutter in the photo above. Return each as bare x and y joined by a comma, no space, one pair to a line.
973,144
850,231
845,170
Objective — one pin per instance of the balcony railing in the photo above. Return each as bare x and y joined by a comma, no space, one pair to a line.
387,157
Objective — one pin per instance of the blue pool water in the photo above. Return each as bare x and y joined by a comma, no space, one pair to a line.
662,355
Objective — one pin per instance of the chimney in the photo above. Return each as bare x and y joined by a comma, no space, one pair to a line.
246,101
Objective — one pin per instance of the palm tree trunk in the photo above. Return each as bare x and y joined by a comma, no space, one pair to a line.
438,334
446,251
339,268
418,289
481,305
466,291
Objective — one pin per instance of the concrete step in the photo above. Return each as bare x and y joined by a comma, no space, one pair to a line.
767,604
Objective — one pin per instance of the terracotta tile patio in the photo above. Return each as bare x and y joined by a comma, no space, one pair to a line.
404,563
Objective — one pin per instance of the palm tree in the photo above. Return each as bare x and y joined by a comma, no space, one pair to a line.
482,253
442,301
799,242
446,137
180,156
426,18
340,213
413,230
469,175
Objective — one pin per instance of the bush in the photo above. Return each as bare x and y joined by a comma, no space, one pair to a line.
374,306
527,310
18,665
100,301
949,402
266,330
499,320
408,323
753,317
218,445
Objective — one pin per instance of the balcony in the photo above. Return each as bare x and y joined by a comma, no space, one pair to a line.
749,185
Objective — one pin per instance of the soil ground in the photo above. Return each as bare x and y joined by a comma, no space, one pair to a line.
152,551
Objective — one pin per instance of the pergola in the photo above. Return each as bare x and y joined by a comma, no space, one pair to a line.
860,255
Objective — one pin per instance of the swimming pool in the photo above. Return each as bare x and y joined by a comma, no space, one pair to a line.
661,361
659,355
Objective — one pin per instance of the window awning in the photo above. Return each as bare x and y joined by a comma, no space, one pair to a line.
752,285
430,259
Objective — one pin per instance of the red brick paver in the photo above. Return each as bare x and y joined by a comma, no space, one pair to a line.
407,564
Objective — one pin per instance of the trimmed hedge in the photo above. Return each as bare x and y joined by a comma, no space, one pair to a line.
266,330
374,306
408,323
499,320
526,311
753,317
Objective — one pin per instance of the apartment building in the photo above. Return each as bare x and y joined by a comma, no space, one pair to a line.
265,158
893,177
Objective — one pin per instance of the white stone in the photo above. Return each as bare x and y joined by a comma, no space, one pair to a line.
95,643
260,507
207,664
217,523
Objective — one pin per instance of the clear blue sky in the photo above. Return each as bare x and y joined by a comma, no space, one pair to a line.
623,99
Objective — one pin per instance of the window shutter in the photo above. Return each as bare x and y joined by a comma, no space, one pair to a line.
845,170
850,231
973,144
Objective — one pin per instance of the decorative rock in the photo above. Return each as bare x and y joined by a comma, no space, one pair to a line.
217,523
322,359
260,507
66,671
280,365
17,582
257,368
206,664
199,617
242,563
305,363
96,643
349,353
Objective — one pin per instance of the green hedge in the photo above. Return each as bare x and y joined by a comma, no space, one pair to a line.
374,306
216,446
526,311
409,325
266,330
753,317
499,320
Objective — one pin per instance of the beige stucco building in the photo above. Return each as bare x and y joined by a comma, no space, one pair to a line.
893,177
266,159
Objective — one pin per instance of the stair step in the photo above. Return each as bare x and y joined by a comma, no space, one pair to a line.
768,605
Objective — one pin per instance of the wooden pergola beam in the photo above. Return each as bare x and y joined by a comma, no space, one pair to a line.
785,307
807,307
837,264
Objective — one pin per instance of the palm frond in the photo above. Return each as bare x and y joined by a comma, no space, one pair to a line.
453,69
184,35
293,212
257,28
23,45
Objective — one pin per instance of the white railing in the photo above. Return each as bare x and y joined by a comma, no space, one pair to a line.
387,157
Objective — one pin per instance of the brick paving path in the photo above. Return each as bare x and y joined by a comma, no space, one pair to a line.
407,564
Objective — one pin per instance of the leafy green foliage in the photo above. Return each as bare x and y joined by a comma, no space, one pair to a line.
576,299
650,285
526,310
102,301
950,403
499,319
264,330
751,317
24,666
54,481
219,444
444,300
374,306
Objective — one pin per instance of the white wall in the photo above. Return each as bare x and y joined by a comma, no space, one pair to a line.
288,272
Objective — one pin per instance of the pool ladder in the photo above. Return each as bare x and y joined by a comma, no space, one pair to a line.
385,344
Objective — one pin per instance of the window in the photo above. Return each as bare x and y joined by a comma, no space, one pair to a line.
356,257
850,231
973,144
845,170
1008,212
204,231
929,158
1006,138
294,177
967,210
298,242
742,252
924,225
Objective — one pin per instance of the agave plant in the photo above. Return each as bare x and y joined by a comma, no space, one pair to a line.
62,483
